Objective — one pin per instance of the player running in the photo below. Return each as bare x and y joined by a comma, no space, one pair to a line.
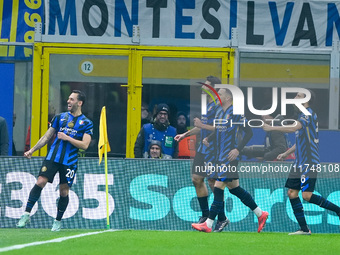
227,159
303,172
205,156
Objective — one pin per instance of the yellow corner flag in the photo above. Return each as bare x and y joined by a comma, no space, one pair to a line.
104,148
103,144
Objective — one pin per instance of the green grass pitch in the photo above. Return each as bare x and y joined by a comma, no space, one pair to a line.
168,242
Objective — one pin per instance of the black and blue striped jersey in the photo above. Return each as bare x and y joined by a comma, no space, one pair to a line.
307,141
64,152
227,125
208,119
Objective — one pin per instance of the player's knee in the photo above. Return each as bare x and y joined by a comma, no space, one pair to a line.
197,180
63,193
306,195
233,184
211,183
42,181
63,190
292,193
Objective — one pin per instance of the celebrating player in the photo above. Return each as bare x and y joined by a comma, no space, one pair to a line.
73,132
227,160
303,172
205,156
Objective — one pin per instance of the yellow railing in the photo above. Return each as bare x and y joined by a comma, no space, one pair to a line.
41,67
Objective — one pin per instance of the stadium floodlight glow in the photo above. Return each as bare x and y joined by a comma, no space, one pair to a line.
238,100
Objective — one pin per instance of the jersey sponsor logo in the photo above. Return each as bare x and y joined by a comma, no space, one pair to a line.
69,131
204,119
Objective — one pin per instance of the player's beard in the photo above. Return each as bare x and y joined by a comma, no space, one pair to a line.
74,108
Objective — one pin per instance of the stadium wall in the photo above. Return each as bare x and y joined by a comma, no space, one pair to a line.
158,195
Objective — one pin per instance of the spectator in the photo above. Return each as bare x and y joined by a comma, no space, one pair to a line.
146,115
4,141
186,146
159,130
181,123
155,149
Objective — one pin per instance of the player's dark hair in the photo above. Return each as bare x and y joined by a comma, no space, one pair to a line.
81,96
213,80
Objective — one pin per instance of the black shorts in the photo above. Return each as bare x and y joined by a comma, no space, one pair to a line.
225,173
199,165
301,180
66,173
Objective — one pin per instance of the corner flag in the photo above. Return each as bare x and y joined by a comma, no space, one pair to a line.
104,147
103,144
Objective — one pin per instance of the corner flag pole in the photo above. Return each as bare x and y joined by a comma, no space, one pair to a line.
104,148
107,190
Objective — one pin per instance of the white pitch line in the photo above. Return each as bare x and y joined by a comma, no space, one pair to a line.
57,240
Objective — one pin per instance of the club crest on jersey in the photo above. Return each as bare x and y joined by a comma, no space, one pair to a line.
70,124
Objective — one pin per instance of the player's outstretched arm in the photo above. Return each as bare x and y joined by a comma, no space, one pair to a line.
284,129
193,131
83,144
41,143
284,155
198,123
